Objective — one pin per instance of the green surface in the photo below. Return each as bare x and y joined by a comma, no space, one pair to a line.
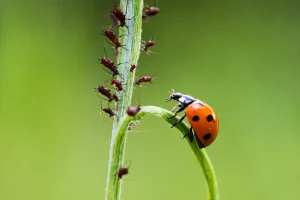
241,58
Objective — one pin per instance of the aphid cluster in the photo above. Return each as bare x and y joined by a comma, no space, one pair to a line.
119,19
115,86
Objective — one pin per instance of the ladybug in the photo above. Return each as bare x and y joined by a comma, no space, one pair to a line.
204,121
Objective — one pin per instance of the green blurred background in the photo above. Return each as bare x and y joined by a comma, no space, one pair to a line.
240,57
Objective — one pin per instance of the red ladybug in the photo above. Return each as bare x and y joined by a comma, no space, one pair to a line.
204,121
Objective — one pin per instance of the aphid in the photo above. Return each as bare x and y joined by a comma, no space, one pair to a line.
117,84
107,110
148,44
106,92
118,13
112,37
132,68
145,79
123,171
150,11
109,64
120,16
132,111
204,121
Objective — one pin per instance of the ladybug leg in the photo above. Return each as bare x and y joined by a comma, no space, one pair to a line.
180,120
200,145
182,107
190,134
179,105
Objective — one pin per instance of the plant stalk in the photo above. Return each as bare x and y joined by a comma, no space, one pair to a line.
128,55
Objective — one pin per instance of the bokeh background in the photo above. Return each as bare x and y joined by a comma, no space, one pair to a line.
240,57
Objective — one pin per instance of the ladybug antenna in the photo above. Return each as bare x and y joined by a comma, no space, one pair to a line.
172,91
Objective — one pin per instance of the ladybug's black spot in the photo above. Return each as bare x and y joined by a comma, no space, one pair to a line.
209,118
207,136
195,118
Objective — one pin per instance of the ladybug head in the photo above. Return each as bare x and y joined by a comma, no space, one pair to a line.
174,96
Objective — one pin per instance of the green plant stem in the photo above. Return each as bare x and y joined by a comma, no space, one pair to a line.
200,154
128,55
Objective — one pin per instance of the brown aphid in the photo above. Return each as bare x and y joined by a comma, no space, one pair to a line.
132,111
106,92
132,68
123,171
150,11
107,110
148,44
112,37
117,84
109,64
145,79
